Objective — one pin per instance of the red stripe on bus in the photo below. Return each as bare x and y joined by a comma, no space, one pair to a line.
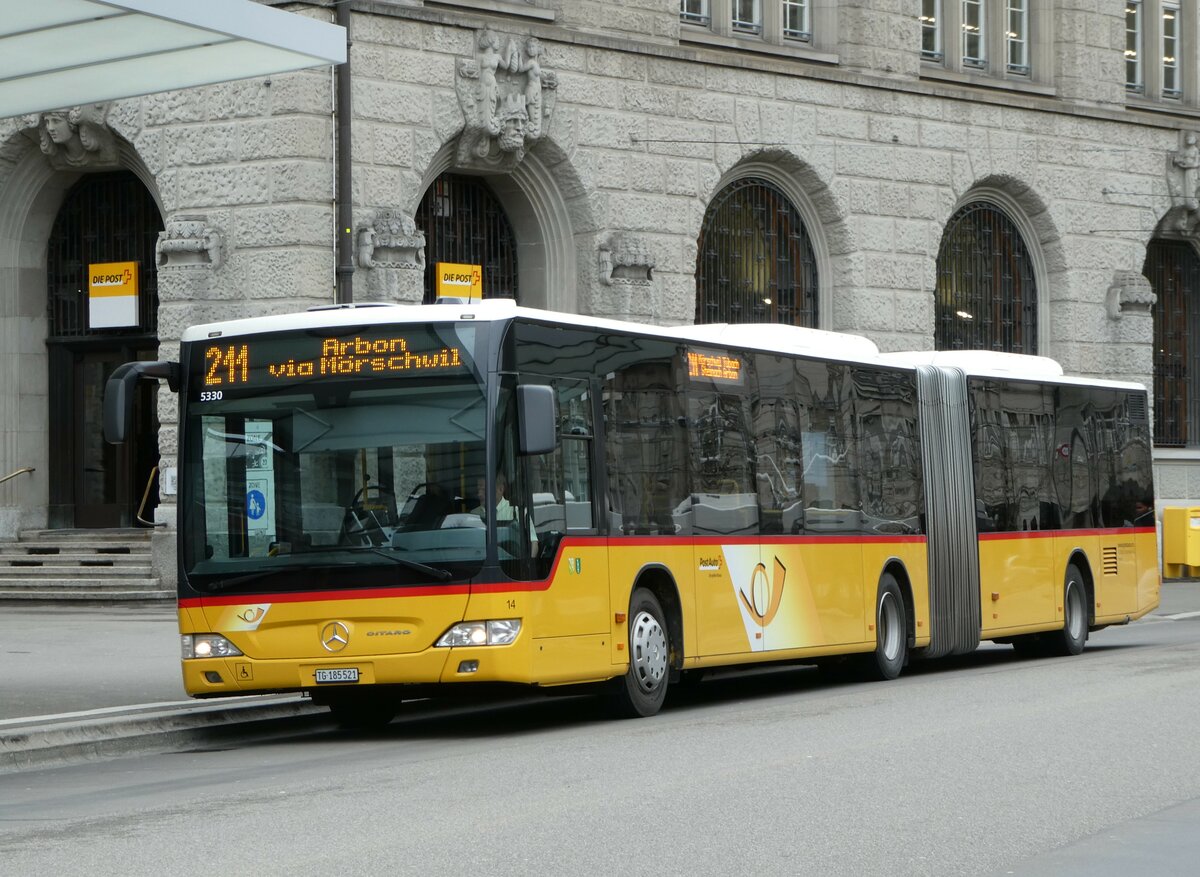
1064,534
764,540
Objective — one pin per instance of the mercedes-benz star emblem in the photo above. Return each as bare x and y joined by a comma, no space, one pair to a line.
335,636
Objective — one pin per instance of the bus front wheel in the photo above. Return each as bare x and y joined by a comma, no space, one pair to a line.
643,688
358,713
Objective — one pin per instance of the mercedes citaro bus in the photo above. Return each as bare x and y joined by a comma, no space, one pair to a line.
386,502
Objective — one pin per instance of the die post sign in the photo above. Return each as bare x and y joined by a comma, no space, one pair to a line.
112,294
459,281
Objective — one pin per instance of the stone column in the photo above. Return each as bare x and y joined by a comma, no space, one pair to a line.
187,254
1130,305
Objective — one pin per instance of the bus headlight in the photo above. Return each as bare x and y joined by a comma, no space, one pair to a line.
207,645
481,633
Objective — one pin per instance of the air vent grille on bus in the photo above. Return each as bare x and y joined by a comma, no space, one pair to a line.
1137,408
1109,560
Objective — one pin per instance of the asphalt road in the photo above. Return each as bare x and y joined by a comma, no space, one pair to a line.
986,764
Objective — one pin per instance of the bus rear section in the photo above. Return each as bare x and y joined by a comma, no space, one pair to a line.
1043,526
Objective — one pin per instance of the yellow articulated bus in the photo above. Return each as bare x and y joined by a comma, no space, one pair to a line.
384,502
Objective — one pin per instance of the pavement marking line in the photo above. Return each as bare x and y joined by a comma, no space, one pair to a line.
1181,616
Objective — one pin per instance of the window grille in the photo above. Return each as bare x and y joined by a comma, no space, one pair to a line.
1173,269
986,291
755,259
463,222
109,217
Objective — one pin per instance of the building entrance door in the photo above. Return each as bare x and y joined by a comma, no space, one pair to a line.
108,481
105,218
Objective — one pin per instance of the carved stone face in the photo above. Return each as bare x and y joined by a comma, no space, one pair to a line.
58,127
512,135
533,47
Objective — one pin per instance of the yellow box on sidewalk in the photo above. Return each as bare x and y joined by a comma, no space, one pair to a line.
1181,542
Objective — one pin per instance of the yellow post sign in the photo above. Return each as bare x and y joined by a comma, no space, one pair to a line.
459,281
112,294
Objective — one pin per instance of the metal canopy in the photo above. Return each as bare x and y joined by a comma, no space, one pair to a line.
59,53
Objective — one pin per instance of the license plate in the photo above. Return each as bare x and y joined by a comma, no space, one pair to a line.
339,674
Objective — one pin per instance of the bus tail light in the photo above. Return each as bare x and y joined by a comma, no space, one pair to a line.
481,633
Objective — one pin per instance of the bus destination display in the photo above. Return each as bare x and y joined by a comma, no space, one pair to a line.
259,363
719,368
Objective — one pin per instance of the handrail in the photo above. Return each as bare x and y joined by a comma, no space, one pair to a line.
24,470
145,498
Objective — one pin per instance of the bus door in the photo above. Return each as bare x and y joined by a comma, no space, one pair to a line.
734,602
1016,505
566,549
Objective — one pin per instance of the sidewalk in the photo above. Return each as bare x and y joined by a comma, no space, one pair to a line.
77,681
99,681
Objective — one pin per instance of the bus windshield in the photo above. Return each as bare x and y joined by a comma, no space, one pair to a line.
372,473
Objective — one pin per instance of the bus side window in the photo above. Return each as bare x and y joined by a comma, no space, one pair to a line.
561,482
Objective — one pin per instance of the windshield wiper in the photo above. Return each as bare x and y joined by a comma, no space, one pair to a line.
442,575
226,584
433,572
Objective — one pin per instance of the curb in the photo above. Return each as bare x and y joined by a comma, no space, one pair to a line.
47,741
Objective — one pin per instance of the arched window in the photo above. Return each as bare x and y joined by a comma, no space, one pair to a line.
1173,269
986,291
464,223
755,261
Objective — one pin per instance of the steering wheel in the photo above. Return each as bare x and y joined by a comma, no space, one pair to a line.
372,509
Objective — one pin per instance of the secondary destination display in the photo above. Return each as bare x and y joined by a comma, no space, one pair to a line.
262,362
717,367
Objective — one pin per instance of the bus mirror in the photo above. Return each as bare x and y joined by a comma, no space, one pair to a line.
535,416
119,395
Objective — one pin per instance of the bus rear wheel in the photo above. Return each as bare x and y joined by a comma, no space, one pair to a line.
643,688
1070,640
891,632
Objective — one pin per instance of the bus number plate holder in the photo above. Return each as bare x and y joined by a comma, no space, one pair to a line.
338,674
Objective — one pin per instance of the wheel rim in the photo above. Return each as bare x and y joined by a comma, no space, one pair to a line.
648,645
889,627
1074,606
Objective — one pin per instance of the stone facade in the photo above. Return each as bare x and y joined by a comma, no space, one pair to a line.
629,123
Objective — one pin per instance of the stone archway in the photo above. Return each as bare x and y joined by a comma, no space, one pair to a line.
551,221
32,189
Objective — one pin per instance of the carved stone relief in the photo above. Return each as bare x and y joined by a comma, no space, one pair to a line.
186,254
627,288
625,260
506,98
188,242
1183,182
391,249
1130,294
77,137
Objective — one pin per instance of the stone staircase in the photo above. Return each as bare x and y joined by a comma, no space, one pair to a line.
92,566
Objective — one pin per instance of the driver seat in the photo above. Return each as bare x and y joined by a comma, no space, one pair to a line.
429,509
